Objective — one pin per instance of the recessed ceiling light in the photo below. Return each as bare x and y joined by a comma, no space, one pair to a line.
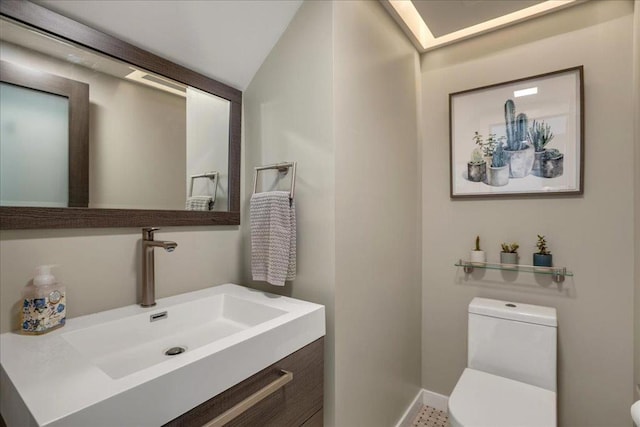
157,82
406,12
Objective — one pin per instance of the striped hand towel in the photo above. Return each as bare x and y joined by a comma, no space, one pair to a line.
273,237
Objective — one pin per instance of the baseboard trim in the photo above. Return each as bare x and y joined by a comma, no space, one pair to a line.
424,397
435,400
411,412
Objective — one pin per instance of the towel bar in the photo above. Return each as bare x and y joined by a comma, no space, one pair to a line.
212,176
282,168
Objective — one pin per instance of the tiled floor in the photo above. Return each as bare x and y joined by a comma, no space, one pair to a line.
431,417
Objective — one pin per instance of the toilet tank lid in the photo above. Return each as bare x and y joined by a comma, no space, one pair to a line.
528,313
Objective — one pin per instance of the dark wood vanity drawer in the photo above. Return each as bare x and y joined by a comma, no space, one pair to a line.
297,403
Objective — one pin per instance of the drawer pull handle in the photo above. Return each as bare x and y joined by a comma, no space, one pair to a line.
251,401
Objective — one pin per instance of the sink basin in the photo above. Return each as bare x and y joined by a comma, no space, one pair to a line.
127,345
145,366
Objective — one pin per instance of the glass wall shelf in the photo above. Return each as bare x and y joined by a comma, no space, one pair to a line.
557,273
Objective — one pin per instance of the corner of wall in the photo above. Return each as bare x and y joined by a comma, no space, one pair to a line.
597,35
288,117
636,187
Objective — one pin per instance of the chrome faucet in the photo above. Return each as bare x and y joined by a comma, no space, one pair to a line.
148,270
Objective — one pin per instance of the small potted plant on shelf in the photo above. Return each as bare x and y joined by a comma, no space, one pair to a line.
477,255
543,257
509,254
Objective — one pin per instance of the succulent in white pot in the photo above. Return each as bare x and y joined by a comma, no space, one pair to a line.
477,255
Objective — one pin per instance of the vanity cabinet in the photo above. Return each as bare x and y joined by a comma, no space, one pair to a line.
297,403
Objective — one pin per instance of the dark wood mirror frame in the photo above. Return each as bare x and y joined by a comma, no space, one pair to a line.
62,27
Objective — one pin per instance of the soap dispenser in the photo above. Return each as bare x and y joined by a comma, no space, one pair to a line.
44,303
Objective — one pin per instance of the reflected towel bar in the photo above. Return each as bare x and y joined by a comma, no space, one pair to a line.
211,175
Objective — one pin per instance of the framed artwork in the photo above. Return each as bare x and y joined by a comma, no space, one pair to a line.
522,138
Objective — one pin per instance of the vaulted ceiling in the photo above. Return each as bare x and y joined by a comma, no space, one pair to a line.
224,39
229,39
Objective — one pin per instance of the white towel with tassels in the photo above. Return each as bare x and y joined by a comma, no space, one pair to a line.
273,237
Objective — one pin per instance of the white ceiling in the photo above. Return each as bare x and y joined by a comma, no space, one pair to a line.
224,39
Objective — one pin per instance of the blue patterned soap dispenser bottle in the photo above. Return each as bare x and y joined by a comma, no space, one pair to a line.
43,303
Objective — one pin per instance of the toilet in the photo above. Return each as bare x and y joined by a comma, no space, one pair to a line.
510,379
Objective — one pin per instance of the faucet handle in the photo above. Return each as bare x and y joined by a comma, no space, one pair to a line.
147,232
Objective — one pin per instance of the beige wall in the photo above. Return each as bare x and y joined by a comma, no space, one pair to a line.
288,117
101,267
636,91
589,234
378,291
337,94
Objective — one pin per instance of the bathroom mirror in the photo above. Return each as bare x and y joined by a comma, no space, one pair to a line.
147,137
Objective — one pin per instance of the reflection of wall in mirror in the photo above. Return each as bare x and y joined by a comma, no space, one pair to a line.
207,147
136,143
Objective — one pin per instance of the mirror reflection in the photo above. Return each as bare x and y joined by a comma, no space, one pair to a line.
153,143
28,153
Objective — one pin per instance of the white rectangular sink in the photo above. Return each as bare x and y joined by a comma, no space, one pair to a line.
124,346
110,368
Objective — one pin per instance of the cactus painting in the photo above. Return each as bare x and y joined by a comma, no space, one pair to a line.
519,152
552,163
510,124
498,171
520,137
540,135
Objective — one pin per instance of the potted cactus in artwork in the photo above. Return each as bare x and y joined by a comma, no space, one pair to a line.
552,163
487,146
519,152
509,253
540,135
543,257
498,170
477,167
477,255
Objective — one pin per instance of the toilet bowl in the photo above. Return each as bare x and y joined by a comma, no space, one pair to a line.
510,380
487,400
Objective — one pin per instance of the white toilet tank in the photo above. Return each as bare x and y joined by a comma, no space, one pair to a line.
513,340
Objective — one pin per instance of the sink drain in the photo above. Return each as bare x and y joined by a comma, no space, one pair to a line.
173,351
